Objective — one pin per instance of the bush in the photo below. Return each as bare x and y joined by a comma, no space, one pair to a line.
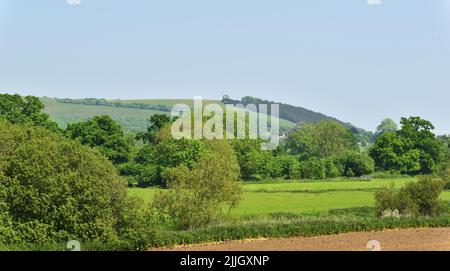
444,174
291,167
196,196
138,174
58,192
332,169
417,198
282,166
355,164
313,168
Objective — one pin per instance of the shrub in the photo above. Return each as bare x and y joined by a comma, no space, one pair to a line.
196,196
444,174
291,167
283,166
332,168
313,168
355,164
60,191
416,198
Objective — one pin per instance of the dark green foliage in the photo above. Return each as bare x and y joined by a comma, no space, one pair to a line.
284,166
138,174
25,110
53,189
333,168
354,164
413,149
313,168
251,158
104,134
156,123
417,198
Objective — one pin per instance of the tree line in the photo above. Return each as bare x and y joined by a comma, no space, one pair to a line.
104,102
326,149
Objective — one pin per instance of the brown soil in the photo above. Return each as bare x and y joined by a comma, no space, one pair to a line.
423,239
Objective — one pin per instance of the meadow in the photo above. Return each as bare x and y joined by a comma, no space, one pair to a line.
303,197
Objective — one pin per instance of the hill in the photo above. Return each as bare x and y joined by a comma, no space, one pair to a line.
297,114
132,114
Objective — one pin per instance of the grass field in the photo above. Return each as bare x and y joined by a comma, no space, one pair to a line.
133,119
303,198
65,113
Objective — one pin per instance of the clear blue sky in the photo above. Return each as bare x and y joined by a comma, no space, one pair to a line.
354,61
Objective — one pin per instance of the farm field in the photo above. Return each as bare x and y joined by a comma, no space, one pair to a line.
63,113
132,119
302,197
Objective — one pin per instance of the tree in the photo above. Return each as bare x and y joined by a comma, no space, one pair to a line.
197,196
25,110
251,158
156,123
321,140
354,164
104,134
53,189
413,149
164,152
386,126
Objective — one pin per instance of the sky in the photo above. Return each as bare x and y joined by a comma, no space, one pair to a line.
348,59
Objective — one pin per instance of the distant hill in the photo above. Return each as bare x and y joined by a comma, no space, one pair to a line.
134,114
297,114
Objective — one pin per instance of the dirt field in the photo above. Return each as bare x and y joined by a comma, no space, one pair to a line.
434,239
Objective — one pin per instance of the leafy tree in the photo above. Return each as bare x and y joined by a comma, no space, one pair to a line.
197,196
53,189
354,164
25,110
104,134
152,159
313,168
156,123
139,174
321,140
413,149
386,126
333,168
252,160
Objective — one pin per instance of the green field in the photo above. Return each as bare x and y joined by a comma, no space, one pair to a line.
65,113
132,119
303,198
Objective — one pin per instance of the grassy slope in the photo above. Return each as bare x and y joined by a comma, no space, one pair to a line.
63,113
131,118
303,198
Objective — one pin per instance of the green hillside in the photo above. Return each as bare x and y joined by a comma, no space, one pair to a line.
134,119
